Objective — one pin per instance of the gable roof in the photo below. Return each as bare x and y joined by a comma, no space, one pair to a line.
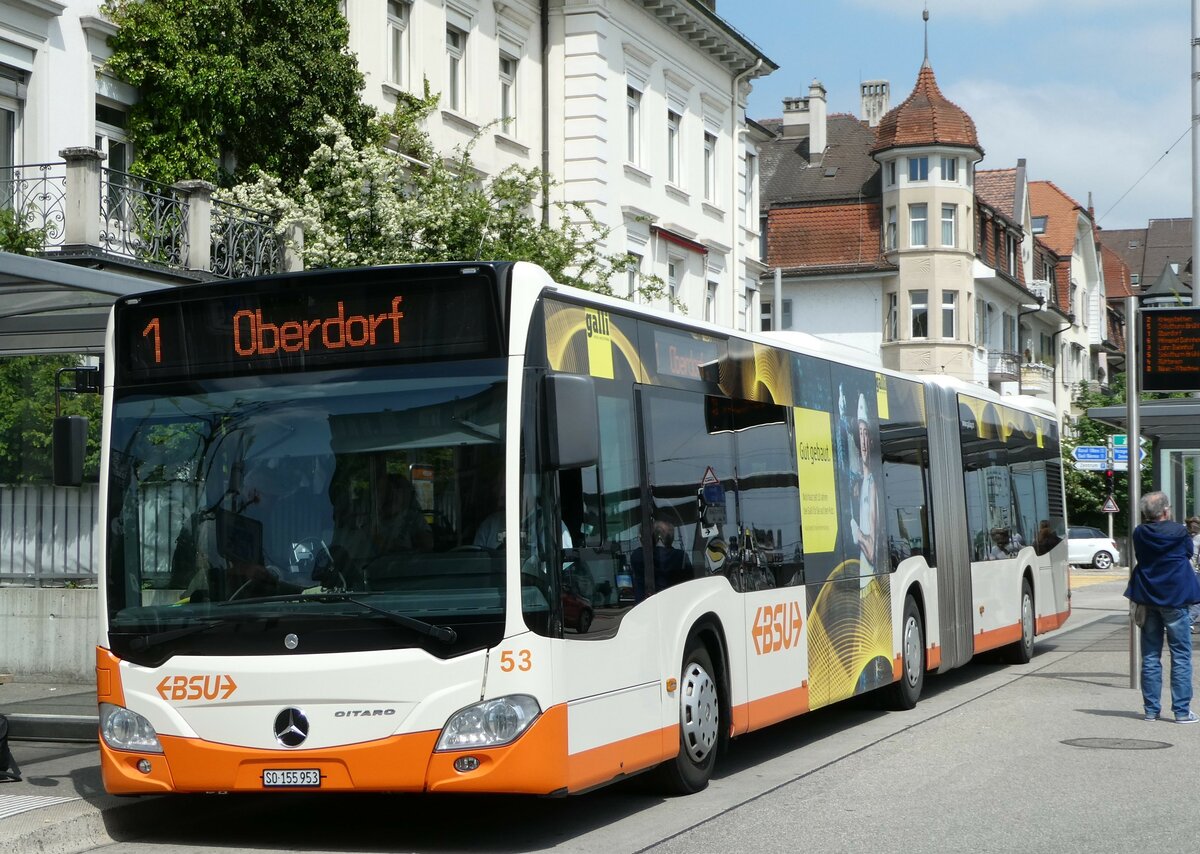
1128,244
845,172
1168,241
1062,216
1117,284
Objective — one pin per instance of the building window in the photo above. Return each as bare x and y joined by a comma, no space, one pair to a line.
919,312
1012,253
950,169
750,189
1039,225
893,317
710,303
1135,279
633,125
890,235
456,69
11,91
949,310
918,169
673,167
674,265
710,167
398,12
891,171
633,274
1008,330
764,315
917,219
508,92
949,225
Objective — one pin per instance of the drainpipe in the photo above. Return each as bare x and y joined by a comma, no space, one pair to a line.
544,31
1054,348
735,136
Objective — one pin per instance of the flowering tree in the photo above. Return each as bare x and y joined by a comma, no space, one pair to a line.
402,203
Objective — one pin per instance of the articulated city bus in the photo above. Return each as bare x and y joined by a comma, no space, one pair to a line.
456,528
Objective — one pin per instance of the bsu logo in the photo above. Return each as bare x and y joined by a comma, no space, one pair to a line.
209,687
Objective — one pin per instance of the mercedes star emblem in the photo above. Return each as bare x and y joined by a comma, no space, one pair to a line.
291,727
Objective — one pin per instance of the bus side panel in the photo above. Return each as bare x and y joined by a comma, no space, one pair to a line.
955,602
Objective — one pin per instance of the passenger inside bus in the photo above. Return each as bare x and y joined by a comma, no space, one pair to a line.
671,564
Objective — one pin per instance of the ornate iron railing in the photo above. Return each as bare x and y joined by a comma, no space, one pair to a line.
142,219
244,242
36,193
1003,366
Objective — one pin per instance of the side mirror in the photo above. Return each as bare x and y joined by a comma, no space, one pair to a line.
70,448
572,432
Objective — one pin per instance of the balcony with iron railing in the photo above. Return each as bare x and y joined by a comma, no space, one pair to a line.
81,208
1003,366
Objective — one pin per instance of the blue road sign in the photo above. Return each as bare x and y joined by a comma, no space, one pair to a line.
1091,453
1121,454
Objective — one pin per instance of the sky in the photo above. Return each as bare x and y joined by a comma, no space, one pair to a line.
1092,93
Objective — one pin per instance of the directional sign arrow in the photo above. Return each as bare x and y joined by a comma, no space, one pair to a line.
1091,453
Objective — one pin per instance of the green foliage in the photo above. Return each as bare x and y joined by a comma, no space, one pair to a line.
16,237
368,204
1087,490
229,87
27,418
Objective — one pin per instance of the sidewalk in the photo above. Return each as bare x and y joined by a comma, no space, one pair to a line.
40,709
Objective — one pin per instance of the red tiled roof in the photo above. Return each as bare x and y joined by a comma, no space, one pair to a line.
1116,275
997,187
825,236
1061,212
926,117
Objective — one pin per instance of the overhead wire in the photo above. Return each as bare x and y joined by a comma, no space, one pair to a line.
1144,174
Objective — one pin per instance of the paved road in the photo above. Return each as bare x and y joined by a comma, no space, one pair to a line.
995,758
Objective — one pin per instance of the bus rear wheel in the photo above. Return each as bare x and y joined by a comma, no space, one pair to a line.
903,694
699,726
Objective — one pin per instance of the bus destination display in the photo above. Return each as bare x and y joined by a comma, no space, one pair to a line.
292,328
1170,349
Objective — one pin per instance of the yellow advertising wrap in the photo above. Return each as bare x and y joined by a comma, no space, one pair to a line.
818,491
599,341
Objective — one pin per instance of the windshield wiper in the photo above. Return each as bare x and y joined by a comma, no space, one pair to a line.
445,634
159,638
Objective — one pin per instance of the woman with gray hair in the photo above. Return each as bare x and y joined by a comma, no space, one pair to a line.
1163,585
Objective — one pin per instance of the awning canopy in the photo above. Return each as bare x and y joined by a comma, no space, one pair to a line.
1173,424
53,307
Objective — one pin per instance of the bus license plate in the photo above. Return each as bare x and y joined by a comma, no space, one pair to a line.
310,777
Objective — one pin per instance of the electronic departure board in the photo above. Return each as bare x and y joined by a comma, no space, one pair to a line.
1170,359
312,321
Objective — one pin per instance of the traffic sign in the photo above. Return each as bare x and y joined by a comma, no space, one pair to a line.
1090,453
1110,506
1121,455
1091,465
1121,440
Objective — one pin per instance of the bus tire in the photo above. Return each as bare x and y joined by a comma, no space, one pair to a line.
699,725
1021,652
903,694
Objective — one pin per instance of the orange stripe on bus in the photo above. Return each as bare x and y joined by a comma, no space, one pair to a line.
1053,621
994,638
769,710
933,658
108,678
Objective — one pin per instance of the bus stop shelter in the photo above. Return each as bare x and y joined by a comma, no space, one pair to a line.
1172,427
54,307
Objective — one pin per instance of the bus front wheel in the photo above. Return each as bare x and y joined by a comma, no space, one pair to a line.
699,725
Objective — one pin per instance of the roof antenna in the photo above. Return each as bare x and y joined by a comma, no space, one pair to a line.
925,18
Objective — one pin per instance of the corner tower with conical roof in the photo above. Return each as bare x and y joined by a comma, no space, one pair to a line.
927,149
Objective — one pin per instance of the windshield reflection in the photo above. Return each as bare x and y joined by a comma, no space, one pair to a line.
245,495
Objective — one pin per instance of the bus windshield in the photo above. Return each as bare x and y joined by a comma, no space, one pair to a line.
347,508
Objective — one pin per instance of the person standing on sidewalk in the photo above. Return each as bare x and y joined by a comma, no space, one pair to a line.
1162,586
1193,526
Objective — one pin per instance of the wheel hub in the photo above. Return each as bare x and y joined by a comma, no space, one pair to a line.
699,715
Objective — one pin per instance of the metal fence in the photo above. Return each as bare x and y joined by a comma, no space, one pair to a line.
47,535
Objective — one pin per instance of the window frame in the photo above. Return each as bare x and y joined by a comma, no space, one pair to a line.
921,221
950,223
508,90
399,42
918,169
949,313
674,152
456,68
918,308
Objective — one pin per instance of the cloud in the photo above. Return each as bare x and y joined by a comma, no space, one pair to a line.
1082,139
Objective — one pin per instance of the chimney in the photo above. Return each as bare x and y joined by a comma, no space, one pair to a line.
795,118
876,100
816,111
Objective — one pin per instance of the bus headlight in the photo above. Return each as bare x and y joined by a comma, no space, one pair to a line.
490,723
126,730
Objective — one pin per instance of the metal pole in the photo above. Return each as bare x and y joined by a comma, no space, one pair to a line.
1195,129
777,299
1133,365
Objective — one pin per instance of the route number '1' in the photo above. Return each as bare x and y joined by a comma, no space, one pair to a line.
152,328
